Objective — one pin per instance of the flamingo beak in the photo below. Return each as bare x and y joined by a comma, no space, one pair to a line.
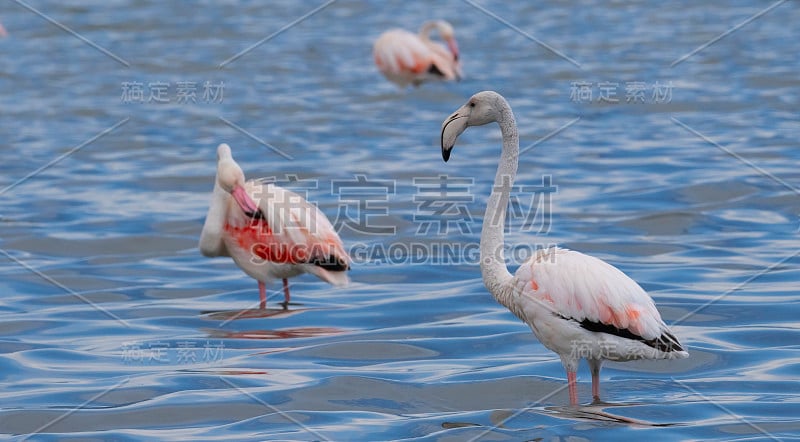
453,46
452,127
248,206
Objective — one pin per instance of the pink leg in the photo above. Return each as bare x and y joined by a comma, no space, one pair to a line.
285,293
594,366
262,293
572,382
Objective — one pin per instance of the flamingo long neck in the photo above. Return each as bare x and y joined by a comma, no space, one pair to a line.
496,276
425,30
211,236
427,27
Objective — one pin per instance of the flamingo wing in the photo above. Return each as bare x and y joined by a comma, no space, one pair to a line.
596,295
293,231
443,61
401,55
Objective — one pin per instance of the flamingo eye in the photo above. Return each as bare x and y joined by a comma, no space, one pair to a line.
471,104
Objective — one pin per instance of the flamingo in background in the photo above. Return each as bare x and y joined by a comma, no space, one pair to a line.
405,58
270,232
577,306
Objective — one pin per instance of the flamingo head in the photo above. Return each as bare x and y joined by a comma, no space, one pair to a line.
445,30
482,108
230,178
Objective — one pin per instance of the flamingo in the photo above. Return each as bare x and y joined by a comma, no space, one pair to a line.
578,306
405,58
270,232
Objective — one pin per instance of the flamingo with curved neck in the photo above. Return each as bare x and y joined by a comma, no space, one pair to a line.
578,306
270,232
405,58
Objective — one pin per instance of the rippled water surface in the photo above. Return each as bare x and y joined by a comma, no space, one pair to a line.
113,326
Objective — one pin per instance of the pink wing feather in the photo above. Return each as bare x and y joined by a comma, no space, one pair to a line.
401,53
298,228
581,287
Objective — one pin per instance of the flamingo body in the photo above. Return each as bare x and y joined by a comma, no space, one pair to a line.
582,307
578,306
269,232
405,58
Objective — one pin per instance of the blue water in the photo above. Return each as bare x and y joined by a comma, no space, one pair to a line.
113,326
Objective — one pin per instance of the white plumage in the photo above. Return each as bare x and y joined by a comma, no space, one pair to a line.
565,288
270,232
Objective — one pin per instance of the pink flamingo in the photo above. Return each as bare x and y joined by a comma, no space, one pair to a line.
270,232
577,306
405,58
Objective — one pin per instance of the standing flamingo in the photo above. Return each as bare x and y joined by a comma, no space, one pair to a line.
577,306
405,58
270,232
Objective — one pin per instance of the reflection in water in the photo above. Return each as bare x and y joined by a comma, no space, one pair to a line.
231,372
297,332
594,412
450,425
226,316
231,315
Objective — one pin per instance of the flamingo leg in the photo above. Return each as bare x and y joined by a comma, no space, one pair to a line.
262,293
572,382
285,293
594,366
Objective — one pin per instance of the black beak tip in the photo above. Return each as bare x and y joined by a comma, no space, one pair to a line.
445,154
